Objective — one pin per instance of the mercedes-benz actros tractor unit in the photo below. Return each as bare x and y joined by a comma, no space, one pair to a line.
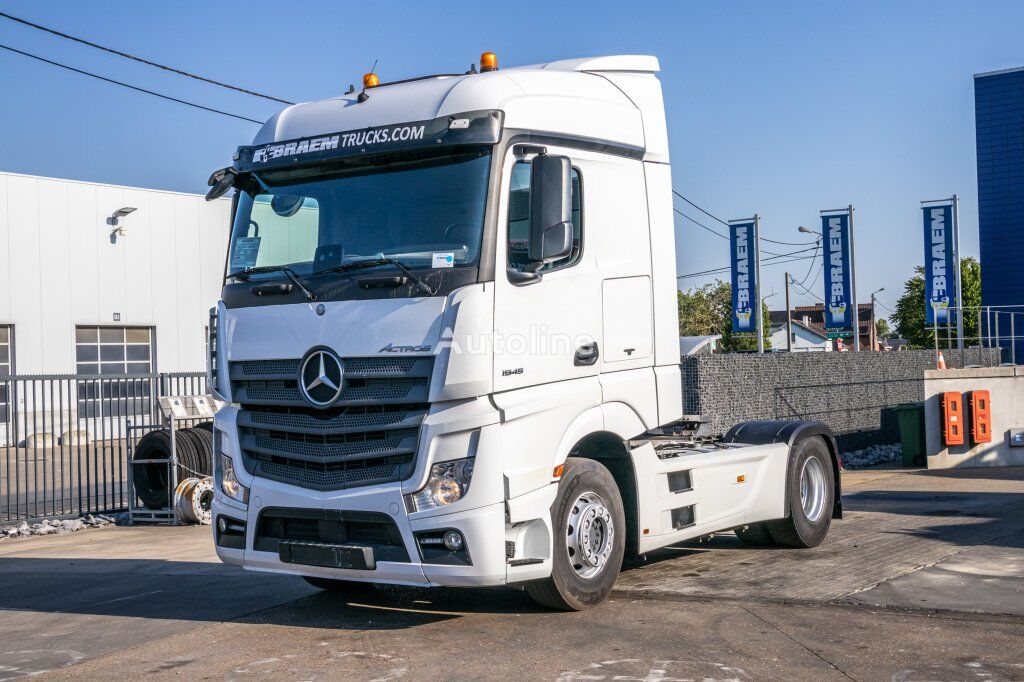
448,344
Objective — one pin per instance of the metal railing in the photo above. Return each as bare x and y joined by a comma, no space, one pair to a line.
63,438
997,326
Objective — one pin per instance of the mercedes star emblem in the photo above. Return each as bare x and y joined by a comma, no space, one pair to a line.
321,377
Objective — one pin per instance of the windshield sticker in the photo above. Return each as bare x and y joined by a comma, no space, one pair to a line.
244,252
443,260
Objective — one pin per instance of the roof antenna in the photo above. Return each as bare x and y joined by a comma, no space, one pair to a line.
369,80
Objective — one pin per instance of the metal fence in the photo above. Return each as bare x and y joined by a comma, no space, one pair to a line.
63,438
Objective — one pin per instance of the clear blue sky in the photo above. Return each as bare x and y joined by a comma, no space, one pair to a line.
779,108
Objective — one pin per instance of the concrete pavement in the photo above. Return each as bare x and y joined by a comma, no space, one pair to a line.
922,580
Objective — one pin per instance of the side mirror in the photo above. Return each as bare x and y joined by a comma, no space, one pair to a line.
220,182
550,209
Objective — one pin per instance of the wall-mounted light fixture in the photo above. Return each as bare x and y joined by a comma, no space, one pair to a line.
116,215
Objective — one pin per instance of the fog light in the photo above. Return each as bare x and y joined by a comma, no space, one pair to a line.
222,524
453,540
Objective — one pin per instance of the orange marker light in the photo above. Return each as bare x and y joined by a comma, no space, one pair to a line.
488,62
559,470
370,80
741,478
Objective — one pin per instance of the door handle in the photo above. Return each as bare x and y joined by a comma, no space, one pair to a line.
586,354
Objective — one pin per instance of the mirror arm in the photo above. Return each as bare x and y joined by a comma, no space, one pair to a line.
520,277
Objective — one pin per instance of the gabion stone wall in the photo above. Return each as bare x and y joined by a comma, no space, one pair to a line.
853,393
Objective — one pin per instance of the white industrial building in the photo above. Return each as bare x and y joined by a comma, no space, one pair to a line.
84,294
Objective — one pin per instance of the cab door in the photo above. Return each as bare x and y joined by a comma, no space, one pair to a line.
548,329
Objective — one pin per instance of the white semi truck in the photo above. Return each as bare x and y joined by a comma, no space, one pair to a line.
448,343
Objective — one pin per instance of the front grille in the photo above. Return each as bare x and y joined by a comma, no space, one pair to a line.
368,436
331,527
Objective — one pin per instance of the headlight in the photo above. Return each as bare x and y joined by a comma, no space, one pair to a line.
448,482
224,473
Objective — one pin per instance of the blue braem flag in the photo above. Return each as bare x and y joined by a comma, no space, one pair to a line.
839,308
743,257
939,264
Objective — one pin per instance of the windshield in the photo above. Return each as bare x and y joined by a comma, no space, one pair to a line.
421,212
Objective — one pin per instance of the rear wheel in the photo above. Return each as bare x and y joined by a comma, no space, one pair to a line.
590,537
811,497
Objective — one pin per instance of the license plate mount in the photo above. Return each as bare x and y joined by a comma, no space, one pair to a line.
352,557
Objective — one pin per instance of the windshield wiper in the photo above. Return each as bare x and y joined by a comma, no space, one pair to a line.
377,262
283,269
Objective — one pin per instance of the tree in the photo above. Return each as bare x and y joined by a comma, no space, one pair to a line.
881,328
910,309
707,310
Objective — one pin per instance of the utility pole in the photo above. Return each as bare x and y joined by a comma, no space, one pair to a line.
853,286
757,288
874,341
874,334
789,319
959,282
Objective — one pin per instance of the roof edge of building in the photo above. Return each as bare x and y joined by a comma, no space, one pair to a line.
999,72
106,184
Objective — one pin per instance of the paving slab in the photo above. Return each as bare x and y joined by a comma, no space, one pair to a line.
155,601
894,523
982,579
67,598
482,634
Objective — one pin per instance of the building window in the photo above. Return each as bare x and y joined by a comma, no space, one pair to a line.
519,220
6,368
109,352
114,350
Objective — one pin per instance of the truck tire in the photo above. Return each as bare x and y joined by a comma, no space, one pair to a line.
755,535
589,526
811,490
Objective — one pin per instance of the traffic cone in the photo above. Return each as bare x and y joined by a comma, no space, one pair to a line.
942,361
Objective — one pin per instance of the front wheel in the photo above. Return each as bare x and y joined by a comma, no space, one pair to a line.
589,539
812,491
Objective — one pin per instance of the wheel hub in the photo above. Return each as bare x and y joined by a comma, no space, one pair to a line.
589,535
812,489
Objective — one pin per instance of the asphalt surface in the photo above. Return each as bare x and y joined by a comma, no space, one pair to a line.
924,580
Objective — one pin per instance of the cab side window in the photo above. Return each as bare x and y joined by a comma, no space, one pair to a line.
519,220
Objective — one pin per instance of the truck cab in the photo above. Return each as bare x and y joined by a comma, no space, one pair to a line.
448,341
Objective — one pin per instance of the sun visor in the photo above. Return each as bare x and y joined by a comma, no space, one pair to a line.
469,128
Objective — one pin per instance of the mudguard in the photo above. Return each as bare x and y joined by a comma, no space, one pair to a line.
790,431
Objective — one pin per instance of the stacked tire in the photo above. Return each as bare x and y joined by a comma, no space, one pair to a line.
194,448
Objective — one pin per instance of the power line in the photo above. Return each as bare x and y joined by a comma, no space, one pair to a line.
809,293
141,60
710,215
701,225
713,216
130,87
715,232
811,266
766,262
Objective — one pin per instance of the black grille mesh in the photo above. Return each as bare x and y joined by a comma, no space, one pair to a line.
369,436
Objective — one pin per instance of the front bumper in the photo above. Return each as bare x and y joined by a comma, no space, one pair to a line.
484,518
483,530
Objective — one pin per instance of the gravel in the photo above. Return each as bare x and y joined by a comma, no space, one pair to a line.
61,526
876,454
